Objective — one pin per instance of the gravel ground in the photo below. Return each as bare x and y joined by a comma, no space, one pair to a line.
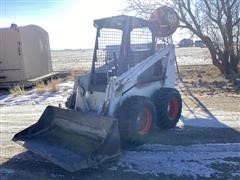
204,145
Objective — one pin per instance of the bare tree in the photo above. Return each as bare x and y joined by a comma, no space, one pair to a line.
215,22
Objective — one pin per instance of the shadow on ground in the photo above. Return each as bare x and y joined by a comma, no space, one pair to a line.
28,166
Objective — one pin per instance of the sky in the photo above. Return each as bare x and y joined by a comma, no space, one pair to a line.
68,22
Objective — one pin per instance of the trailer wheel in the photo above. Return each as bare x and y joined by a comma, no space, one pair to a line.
168,105
71,100
136,118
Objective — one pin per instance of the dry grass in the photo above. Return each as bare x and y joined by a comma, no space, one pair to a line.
17,90
72,75
208,80
50,86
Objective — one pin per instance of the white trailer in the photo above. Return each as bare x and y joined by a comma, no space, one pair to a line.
24,54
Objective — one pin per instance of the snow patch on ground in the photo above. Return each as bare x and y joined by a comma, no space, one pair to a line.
32,97
194,160
191,116
217,119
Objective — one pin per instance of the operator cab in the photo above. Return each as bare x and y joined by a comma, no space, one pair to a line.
121,43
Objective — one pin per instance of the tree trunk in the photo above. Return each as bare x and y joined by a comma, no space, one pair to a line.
228,65
226,62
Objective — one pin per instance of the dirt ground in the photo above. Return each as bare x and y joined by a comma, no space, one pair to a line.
206,83
204,93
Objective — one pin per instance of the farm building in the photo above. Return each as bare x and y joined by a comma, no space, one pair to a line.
24,53
186,43
199,43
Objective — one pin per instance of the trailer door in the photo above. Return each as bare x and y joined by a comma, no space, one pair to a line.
10,49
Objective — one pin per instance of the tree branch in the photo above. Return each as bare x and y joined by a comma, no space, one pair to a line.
237,22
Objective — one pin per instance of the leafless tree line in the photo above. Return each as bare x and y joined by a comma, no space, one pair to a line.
215,22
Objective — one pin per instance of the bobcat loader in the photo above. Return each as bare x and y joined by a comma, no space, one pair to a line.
128,92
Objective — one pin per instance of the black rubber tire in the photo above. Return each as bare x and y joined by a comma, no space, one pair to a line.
71,100
161,99
128,117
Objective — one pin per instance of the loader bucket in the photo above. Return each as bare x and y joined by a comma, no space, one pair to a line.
72,140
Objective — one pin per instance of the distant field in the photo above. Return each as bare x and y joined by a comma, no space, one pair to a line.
193,56
68,60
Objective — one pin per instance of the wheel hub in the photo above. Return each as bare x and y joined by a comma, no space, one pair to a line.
144,121
172,108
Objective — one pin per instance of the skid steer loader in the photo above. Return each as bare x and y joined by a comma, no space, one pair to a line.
128,92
